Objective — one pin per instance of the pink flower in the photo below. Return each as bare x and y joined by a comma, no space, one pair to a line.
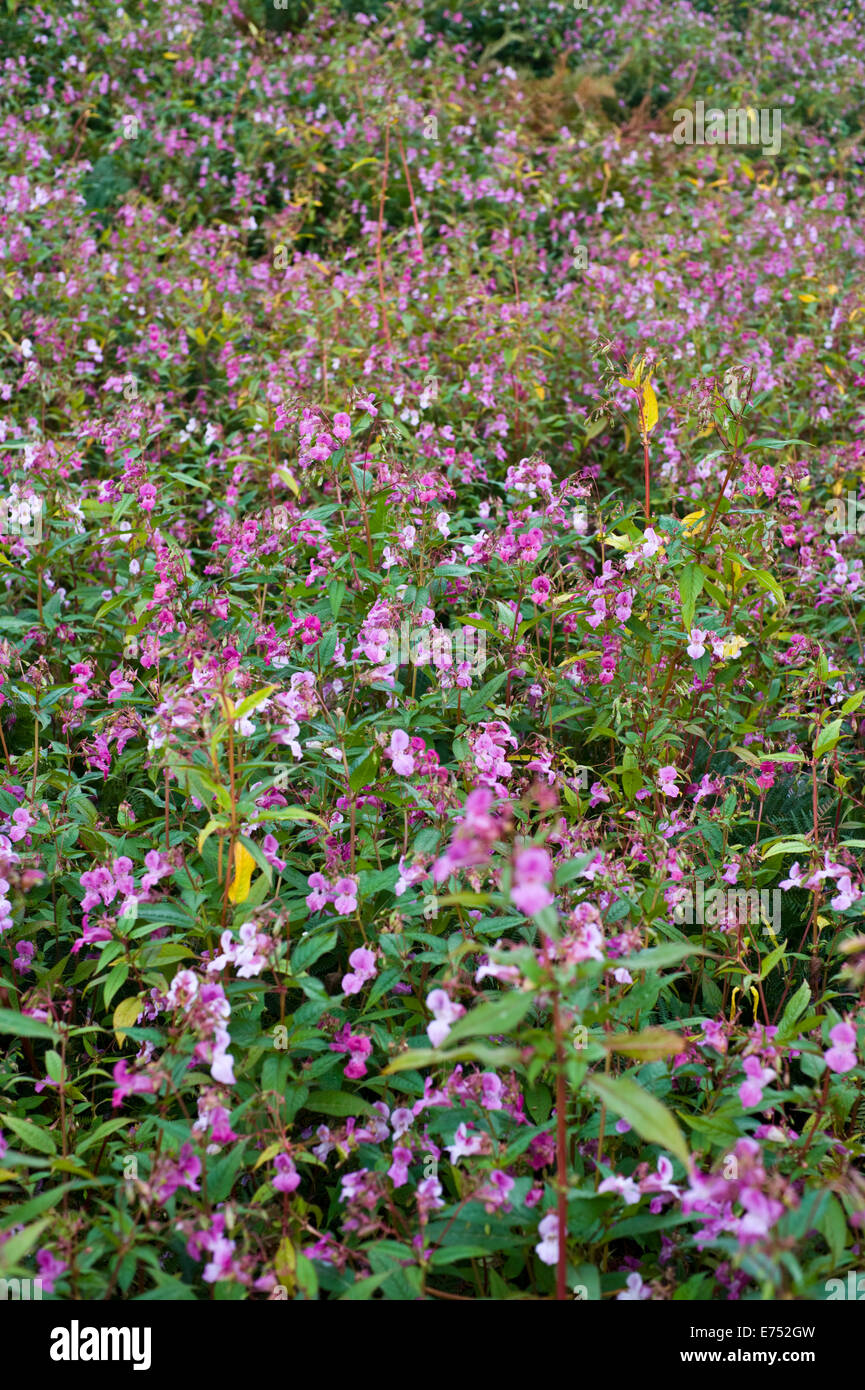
287,1177
342,426
696,645
846,895
320,895
841,1057
667,780
429,1195
547,1249
362,962
445,1012
465,1144
402,761
358,1047
795,879
492,1091
635,1289
751,1091
128,1083
533,870
345,896
541,587
398,1170
50,1268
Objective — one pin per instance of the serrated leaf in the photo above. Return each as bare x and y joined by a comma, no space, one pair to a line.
497,1016
644,1112
828,738
23,1026
339,1103
797,846
31,1135
691,579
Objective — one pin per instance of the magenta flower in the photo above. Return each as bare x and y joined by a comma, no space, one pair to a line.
287,1177
398,1170
127,1083
342,426
50,1268
319,897
541,587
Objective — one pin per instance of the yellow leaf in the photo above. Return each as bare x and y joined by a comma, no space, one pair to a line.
285,1263
693,522
650,407
734,645
270,1152
125,1014
634,259
808,298
243,867
289,479
539,391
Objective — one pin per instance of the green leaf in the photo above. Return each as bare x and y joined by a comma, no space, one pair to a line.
25,1027
31,1135
498,1016
828,738
363,1289
307,951
772,960
690,586
644,1112
658,957
252,701
338,1103
794,1011
797,846
365,771
13,1250
115,981
833,1225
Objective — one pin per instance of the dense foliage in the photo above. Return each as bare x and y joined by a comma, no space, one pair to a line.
431,681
